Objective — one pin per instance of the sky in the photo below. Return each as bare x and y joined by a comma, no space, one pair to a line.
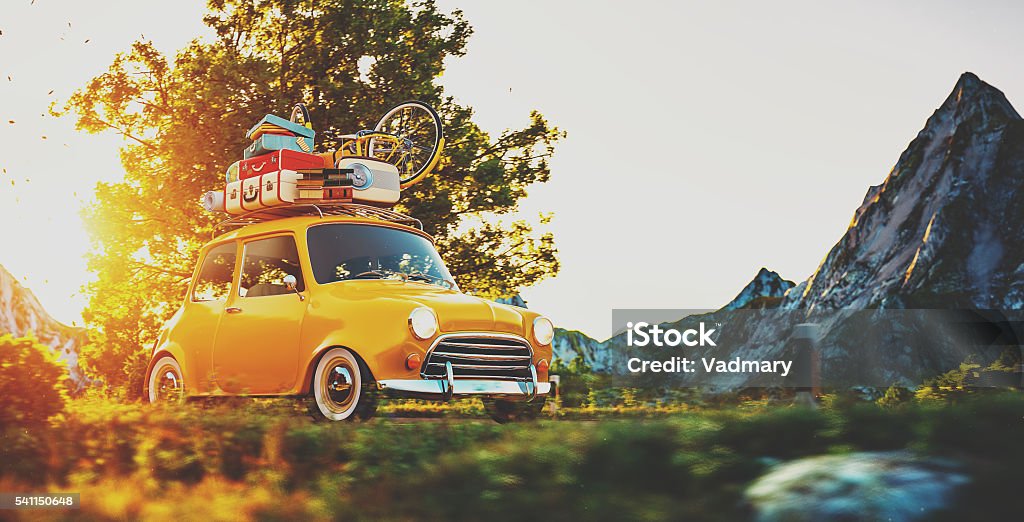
705,139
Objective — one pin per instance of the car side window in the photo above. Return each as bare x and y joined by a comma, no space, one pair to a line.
265,265
214,283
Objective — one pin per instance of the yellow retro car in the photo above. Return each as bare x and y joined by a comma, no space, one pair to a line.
342,306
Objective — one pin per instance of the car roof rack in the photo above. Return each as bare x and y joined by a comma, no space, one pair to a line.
321,210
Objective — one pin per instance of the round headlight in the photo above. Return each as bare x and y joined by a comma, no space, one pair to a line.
423,323
543,331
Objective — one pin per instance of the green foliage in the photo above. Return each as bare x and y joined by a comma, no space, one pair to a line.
576,382
782,433
869,427
895,396
985,430
33,383
184,119
970,378
261,459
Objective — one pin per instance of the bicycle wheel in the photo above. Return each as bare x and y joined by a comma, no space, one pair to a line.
417,128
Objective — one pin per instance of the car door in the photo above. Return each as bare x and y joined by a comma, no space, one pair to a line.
197,328
256,350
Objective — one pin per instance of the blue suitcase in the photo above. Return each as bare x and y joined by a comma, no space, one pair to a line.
267,143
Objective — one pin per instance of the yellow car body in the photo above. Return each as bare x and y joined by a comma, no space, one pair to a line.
270,345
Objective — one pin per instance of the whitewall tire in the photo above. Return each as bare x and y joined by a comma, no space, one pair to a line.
342,387
165,381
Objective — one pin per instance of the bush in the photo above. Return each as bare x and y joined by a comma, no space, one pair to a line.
122,373
783,433
33,383
870,427
576,382
895,396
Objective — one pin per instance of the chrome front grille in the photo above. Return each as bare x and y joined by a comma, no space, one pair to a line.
479,357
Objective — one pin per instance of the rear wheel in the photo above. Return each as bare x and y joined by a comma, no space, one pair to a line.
165,381
503,411
342,388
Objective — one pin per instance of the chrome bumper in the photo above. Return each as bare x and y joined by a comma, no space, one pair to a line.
450,387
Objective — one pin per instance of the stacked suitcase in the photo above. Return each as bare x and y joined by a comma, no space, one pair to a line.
279,168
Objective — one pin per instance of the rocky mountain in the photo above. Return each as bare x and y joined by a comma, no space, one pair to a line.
929,273
22,314
570,344
766,289
944,229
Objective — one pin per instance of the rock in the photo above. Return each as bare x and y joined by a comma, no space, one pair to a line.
21,314
891,486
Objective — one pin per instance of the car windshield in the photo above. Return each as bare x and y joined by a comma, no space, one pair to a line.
345,251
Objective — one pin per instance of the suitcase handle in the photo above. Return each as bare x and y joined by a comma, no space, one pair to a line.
300,115
257,169
250,198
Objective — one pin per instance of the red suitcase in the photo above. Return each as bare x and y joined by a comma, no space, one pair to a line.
278,160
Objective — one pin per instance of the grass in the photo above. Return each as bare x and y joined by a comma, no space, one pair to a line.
266,460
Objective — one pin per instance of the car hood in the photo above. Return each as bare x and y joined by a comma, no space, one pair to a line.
455,311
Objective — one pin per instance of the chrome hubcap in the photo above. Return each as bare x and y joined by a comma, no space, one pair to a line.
168,384
338,385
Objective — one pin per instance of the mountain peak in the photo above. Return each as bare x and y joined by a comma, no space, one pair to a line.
766,284
944,228
972,96
969,80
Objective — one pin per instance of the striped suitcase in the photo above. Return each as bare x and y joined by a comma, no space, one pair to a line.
268,143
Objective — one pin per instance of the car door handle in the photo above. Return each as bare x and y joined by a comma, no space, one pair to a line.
233,310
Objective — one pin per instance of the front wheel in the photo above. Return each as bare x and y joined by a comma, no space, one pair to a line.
418,131
342,388
165,381
508,411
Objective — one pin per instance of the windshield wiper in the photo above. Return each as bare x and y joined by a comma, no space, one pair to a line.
420,276
378,274
383,273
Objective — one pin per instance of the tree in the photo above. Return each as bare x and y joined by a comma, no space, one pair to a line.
184,121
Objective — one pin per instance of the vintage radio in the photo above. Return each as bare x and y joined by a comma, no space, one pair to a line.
374,182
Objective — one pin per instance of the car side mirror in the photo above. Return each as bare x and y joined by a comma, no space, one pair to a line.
291,284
